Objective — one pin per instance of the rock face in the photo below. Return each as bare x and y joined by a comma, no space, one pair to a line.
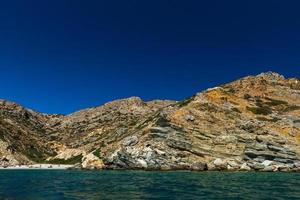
91,161
249,124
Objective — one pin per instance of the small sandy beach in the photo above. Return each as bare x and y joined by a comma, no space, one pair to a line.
38,166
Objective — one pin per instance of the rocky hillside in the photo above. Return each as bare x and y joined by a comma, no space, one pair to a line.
249,124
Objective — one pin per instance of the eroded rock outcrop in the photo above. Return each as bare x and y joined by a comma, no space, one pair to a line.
249,124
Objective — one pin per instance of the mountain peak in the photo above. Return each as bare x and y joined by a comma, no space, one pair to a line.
271,76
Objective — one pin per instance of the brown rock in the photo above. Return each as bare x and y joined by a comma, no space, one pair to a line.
252,121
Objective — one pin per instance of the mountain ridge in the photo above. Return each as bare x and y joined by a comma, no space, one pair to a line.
248,124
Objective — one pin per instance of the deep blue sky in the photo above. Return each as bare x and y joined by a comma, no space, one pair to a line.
58,56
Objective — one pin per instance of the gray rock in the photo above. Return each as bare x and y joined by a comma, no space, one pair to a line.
275,148
251,126
149,155
297,164
142,163
270,155
269,169
189,118
131,141
220,164
259,146
159,152
199,166
179,144
158,135
283,168
256,166
282,160
121,131
267,163
296,169
233,164
259,159
159,130
245,167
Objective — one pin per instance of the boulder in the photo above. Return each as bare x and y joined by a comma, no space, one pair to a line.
256,166
159,129
189,118
220,164
159,152
245,167
142,163
91,161
232,165
284,168
271,168
267,163
131,141
199,166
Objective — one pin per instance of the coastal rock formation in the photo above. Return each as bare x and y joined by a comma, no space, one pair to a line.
250,124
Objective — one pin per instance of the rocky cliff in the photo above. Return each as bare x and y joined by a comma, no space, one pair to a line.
249,124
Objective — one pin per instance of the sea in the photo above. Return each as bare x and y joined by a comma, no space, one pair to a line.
64,184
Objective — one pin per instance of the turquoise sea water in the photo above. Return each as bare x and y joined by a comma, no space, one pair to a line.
60,184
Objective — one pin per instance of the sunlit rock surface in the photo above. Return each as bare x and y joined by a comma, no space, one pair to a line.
250,124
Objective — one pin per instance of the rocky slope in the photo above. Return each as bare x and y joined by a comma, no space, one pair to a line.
249,124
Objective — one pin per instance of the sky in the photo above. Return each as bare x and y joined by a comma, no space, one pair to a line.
60,56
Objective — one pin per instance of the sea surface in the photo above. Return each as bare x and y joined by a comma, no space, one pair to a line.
63,184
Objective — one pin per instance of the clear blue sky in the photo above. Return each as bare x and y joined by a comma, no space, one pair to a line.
59,56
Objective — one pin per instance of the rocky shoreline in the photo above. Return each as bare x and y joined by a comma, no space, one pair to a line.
219,165
252,124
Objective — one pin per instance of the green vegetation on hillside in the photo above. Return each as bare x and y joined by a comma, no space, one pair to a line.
97,153
71,161
275,102
260,110
274,119
185,102
291,108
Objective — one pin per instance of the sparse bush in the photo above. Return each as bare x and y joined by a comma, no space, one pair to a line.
258,102
33,154
275,102
231,90
97,153
185,102
260,110
236,110
275,119
295,86
234,103
290,108
71,161
224,99
208,107
247,96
